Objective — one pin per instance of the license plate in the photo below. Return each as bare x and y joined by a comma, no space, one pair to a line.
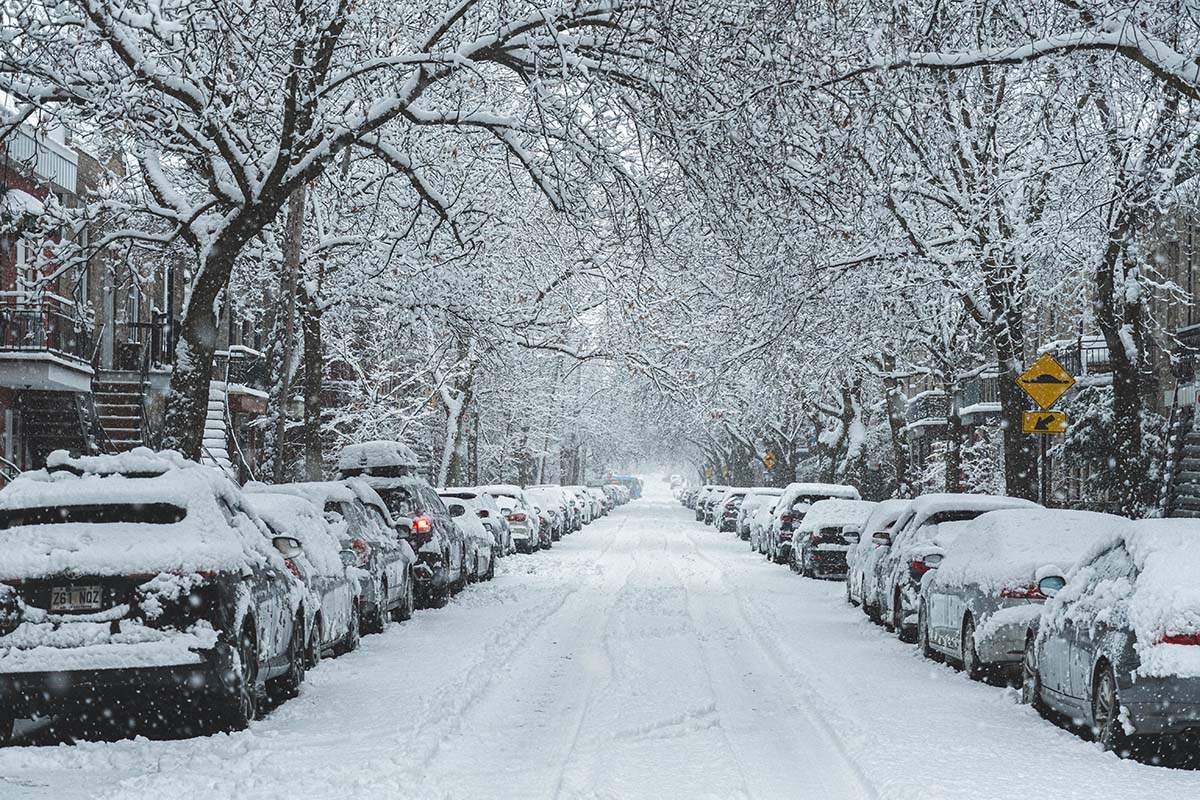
76,598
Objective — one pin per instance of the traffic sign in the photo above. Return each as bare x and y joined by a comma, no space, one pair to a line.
708,473
1046,381
769,459
1044,422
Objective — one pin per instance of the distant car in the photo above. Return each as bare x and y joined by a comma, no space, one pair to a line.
829,529
494,518
482,551
760,524
900,563
753,501
978,601
795,501
527,532
599,502
390,468
860,558
334,621
725,509
551,505
142,575
1117,645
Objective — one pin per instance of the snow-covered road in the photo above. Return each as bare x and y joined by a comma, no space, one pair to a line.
647,657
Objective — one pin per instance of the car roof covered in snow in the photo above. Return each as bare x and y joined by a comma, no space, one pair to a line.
929,505
316,492
378,453
1014,547
203,539
836,511
821,490
292,515
884,515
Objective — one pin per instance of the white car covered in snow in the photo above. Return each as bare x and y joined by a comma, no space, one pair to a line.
482,549
755,499
829,529
978,602
860,558
793,504
137,576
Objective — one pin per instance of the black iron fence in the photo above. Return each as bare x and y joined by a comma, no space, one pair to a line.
927,406
47,326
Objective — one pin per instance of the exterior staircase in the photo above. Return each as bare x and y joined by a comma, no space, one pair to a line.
216,432
56,421
119,399
1183,470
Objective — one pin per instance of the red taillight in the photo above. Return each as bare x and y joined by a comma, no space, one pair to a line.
541,520
422,525
785,534
517,516
1031,592
363,549
1177,638
788,519
292,568
919,567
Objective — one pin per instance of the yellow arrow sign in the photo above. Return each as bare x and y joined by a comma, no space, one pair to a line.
769,459
1044,422
1046,381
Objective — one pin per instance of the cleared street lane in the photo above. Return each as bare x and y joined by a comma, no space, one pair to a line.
647,656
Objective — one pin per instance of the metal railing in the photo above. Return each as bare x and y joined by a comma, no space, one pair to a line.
242,367
930,405
47,325
980,389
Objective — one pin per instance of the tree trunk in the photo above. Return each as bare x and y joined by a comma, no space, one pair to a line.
895,400
954,432
293,241
314,373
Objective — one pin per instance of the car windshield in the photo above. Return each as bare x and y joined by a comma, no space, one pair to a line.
400,500
98,514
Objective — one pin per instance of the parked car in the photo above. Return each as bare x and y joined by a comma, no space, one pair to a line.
795,501
977,603
1117,645
755,499
390,468
482,551
552,507
333,618
702,497
900,563
363,523
822,539
760,524
527,532
485,507
142,575
725,509
708,505
583,502
860,558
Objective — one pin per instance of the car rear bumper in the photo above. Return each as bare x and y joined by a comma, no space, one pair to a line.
828,563
1163,705
50,691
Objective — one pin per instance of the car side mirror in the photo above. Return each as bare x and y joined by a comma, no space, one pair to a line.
349,558
483,513
288,547
1051,585
882,539
457,511
852,537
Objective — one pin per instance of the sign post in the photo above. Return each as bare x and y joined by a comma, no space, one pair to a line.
1045,382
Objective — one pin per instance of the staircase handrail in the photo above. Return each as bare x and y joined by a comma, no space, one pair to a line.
8,471
231,431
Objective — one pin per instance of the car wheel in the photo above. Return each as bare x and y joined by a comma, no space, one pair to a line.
1106,712
315,641
378,617
404,611
491,573
898,614
287,686
1031,678
923,634
969,655
238,707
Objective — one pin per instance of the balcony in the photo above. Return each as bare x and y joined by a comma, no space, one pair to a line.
145,346
927,408
1087,355
44,344
244,373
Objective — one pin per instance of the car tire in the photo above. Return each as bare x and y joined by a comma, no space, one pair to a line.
236,708
968,654
287,685
898,615
315,643
1106,712
491,573
378,617
923,645
404,611
1031,677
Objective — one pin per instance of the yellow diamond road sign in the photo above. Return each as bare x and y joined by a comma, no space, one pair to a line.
1044,422
769,459
1046,381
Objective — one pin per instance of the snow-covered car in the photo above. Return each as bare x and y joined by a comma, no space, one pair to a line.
1117,645
860,558
362,522
583,502
142,575
701,497
523,523
707,507
760,524
550,505
752,502
900,561
822,539
482,550
333,620
485,507
725,510
390,468
795,501
978,601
